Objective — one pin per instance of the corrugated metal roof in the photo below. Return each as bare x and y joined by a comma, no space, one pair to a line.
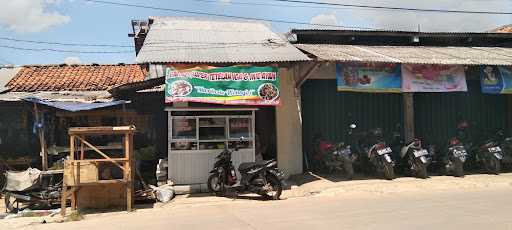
411,54
6,75
206,40
377,32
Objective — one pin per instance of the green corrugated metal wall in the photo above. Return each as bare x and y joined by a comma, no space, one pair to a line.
327,111
436,114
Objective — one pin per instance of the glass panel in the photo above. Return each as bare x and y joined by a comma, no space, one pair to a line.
212,122
184,128
212,133
240,127
183,145
212,145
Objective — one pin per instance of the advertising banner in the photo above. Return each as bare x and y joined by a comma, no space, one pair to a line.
368,77
496,79
433,78
234,85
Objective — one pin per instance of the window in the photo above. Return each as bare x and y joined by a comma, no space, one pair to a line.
211,132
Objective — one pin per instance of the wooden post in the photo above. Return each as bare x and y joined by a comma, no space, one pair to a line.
128,173
42,141
408,102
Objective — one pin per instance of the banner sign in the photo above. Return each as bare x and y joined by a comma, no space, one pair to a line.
433,78
234,85
496,79
368,77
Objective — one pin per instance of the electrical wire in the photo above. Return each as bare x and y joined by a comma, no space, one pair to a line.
147,48
62,43
223,15
280,5
395,8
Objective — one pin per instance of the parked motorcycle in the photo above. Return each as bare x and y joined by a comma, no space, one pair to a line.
32,189
340,156
416,158
379,154
455,158
506,146
490,154
262,178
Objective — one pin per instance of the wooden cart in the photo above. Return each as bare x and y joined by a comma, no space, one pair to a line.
84,173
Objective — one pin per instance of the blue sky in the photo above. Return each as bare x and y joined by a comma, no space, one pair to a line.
76,21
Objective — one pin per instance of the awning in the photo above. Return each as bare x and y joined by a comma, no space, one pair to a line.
75,106
411,54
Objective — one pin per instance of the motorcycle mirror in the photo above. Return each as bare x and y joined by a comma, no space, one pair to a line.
353,126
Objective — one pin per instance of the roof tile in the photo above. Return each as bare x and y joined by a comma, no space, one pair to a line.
74,77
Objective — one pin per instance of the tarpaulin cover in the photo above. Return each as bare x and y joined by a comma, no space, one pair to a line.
75,106
21,181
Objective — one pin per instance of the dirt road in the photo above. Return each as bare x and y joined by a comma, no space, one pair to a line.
474,202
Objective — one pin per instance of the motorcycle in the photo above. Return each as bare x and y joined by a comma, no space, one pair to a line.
456,156
416,158
379,154
262,178
490,154
32,189
341,156
506,146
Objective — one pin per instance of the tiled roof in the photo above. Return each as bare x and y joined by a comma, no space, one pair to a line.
504,29
74,77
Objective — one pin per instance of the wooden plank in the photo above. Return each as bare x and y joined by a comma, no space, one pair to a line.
101,153
99,160
114,181
63,199
101,130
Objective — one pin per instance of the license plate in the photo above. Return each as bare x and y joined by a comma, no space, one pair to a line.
423,159
459,153
498,155
420,153
384,151
494,149
345,152
388,158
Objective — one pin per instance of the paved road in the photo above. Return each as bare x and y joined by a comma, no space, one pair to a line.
488,208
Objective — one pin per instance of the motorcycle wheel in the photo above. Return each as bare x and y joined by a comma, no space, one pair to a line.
349,169
493,165
9,203
214,185
458,168
277,188
421,170
389,172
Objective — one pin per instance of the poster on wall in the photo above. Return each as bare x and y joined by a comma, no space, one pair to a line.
433,78
496,79
368,77
234,85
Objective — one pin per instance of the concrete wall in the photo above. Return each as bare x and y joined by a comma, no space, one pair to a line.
288,125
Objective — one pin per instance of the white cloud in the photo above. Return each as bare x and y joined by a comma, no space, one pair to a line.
428,21
227,2
325,19
30,15
72,60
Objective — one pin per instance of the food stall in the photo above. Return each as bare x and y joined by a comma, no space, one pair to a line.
198,135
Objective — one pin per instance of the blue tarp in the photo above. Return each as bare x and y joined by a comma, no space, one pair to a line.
75,106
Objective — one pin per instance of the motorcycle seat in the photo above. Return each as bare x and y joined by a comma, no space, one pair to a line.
246,166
